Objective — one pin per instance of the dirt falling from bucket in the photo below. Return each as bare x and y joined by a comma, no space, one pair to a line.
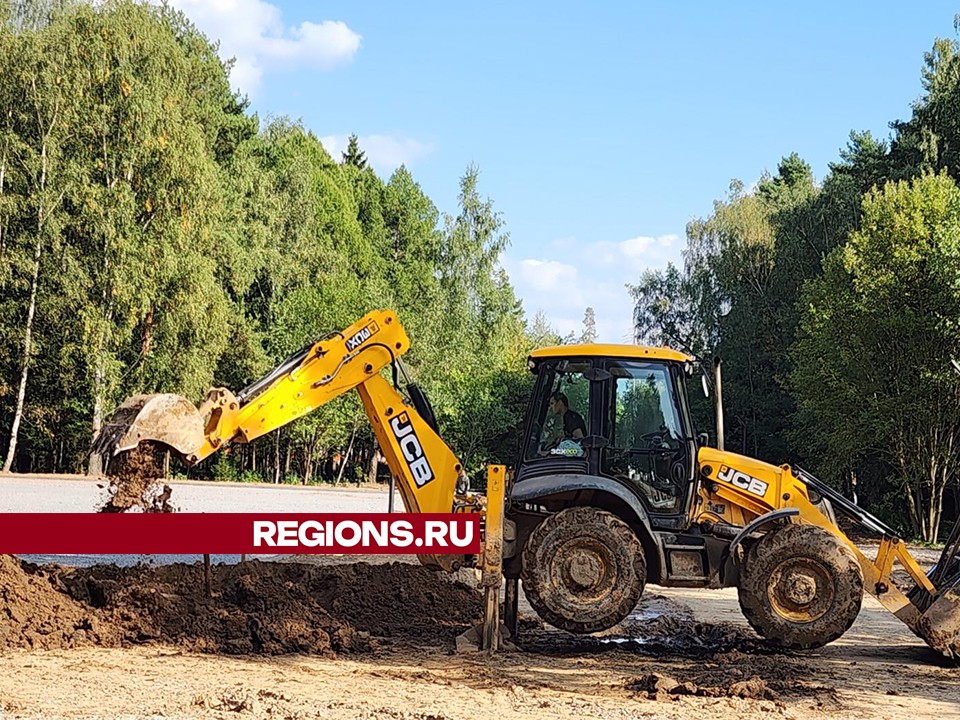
135,481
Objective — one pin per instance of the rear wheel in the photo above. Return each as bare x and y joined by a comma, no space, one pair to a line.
801,587
583,570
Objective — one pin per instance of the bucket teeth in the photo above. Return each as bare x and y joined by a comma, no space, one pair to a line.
939,626
162,418
116,426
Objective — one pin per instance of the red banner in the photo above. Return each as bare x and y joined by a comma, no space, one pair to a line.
238,533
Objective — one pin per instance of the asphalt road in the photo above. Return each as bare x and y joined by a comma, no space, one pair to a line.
46,494
27,494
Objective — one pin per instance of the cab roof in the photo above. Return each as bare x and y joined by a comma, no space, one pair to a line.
630,352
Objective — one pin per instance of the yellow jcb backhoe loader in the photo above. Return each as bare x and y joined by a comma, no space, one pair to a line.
599,503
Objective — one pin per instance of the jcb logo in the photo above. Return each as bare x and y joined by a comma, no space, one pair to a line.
412,449
742,481
361,337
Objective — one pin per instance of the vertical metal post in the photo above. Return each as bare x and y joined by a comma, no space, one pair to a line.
207,580
718,402
390,501
510,605
492,557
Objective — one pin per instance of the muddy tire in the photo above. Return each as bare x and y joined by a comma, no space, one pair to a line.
801,587
583,570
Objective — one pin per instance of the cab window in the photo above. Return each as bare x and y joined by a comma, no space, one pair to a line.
646,442
561,412
645,412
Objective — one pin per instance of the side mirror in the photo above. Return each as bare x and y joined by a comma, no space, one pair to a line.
703,384
703,440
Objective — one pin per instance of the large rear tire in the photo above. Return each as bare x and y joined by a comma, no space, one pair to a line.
583,570
801,587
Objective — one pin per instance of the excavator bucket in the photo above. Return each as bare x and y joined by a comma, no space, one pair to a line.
939,626
163,418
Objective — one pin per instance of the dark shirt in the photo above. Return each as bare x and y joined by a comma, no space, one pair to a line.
572,422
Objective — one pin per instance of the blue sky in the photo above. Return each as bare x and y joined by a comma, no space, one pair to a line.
599,130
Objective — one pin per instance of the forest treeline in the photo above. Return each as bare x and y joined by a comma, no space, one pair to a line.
835,307
155,236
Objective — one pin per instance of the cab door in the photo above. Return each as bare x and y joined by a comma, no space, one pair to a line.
649,447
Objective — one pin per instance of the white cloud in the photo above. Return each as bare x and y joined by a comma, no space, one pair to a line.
638,253
547,276
385,153
572,277
253,32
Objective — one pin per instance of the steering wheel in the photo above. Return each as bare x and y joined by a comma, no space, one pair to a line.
653,439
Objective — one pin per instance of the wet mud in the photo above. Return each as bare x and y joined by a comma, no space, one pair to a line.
729,677
713,660
658,627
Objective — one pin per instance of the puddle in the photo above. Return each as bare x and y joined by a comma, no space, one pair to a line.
657,627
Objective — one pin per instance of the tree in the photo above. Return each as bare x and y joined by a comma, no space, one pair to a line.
665,311
354,155
876,342
589,332
33,140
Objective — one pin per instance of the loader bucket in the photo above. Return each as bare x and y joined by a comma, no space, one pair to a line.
939,626
163,418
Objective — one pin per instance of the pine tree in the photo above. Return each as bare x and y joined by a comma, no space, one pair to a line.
354,155
589,334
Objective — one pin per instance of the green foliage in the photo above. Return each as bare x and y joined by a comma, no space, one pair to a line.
354,155
589,332
224,469
834,309
154,237
884,318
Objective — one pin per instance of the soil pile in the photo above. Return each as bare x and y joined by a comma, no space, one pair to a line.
34,614
134,481
734,673
660,687
255,607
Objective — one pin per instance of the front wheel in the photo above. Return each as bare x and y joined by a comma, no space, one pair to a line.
801,587
583,570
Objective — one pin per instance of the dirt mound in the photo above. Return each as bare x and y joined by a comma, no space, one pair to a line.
33,614
727,681
255,608
134,481
658,686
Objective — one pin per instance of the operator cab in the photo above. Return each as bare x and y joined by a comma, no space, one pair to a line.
638,431
595,517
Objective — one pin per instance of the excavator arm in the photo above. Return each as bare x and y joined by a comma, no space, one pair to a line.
429,475
428,472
